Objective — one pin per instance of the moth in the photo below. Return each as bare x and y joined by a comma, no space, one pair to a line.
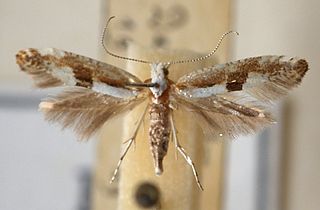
227,99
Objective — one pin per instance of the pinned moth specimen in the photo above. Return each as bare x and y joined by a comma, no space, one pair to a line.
228,99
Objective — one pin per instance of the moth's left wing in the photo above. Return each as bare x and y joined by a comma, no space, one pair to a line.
95,91
265,78
232,98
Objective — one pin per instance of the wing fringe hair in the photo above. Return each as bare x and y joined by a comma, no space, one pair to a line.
84,110
219,117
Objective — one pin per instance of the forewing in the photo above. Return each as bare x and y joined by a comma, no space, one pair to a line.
52,67
265,78
232,99
85,110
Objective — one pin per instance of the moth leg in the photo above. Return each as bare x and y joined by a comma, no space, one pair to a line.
173,107
128,145
184,154
176,151
174,137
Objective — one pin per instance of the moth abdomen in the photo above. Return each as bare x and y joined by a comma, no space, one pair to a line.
159,131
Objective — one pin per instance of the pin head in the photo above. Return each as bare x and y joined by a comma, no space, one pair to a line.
147,195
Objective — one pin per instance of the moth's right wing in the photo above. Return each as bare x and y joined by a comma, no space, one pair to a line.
95,91
52,67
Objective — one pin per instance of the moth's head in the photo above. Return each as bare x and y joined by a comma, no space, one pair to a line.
159,75
159,70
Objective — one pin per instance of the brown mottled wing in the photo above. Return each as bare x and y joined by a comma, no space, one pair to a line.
95,91
264,77
52,67
232,98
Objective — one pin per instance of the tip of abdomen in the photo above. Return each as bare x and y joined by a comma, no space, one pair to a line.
158,171
158,167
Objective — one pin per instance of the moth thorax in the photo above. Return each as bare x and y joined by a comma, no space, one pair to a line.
159,72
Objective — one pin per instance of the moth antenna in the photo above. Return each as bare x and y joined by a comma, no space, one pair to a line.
208,55
112,54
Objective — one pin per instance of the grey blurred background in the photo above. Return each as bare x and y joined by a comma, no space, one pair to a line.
44,168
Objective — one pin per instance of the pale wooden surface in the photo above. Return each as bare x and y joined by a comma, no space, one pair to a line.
195,25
